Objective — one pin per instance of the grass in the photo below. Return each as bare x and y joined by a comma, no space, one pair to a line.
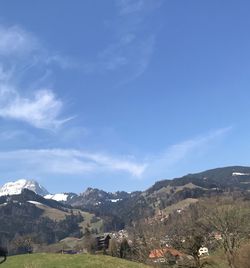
52,213
58,215
43,260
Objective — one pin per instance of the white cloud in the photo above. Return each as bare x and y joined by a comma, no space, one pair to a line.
44,162
69,161
42,110
113,163
20,53
15,41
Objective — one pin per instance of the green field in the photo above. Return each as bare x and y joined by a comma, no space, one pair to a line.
44,260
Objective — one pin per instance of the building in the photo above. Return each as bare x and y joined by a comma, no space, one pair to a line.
203,251
102,242
160,255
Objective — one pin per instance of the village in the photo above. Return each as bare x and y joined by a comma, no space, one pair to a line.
120,244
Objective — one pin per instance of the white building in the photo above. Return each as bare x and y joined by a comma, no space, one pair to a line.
203,251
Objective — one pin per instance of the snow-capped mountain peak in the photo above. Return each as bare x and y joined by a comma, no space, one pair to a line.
16,187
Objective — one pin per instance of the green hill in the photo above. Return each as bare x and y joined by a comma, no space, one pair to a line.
65,261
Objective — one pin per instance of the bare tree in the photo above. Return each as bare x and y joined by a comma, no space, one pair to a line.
145,238
187,235
243,256
230,218
89,241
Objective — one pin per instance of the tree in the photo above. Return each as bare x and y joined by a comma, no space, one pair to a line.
89,241
230,218
243,256
187,235
145,238
23,244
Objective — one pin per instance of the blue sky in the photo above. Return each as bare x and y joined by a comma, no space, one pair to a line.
118,94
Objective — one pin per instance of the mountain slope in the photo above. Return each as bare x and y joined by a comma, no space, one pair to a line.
94,197
46,221
237,177
163,196
120,209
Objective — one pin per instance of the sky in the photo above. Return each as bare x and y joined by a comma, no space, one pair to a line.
119,94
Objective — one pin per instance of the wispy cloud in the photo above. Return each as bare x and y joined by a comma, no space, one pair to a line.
177,153
9,135
114,163
80,162
128,7
132,42
42,110
127,52
20,52
69,161
15,41
18,46
6,73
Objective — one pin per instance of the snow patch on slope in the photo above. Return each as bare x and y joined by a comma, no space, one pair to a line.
57,197
35,202
115,200
240,174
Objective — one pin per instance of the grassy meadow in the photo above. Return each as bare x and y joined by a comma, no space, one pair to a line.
47,260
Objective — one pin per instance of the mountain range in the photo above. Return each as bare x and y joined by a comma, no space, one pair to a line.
90,196
214,179
27,208
122,207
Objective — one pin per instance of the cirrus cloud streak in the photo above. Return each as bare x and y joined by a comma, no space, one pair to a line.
69,161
